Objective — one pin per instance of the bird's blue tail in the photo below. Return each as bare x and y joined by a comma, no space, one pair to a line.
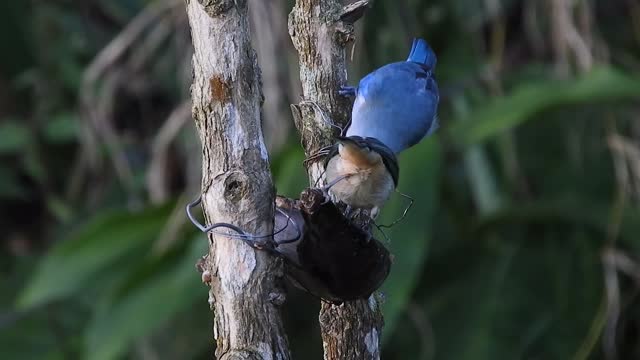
422,53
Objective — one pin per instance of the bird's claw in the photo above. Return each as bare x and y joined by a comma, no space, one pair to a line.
347,91
327,197
347,210
314,157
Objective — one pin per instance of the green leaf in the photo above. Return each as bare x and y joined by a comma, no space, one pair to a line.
61,129
61,210
30,334
600,85
152,303
33,164
107,238
513,299
575,211
419,178
14,137
482,179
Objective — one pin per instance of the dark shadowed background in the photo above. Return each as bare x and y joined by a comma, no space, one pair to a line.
523,242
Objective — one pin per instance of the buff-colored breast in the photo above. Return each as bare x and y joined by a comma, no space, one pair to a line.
369,184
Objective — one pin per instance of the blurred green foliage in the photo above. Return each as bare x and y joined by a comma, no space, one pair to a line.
522,242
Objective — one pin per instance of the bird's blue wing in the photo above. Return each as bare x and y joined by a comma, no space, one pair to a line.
396,104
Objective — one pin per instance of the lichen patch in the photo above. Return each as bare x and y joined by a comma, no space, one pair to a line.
220,89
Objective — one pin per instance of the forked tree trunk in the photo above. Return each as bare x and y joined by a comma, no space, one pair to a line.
236,182
320,30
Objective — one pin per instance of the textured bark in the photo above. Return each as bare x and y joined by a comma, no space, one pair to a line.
320,30
320,38
236,182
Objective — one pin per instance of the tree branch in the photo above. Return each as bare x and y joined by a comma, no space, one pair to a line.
320,30
236,181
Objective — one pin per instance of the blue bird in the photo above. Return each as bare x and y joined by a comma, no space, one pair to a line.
397,103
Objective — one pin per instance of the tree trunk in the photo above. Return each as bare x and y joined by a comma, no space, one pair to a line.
320,30
236,182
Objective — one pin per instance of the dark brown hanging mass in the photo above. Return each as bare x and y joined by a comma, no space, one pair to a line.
333,259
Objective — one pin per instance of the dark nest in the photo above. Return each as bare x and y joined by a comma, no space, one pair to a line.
333,258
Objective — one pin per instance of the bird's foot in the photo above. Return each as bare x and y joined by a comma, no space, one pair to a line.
347,91
321,153
347,210
327,196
